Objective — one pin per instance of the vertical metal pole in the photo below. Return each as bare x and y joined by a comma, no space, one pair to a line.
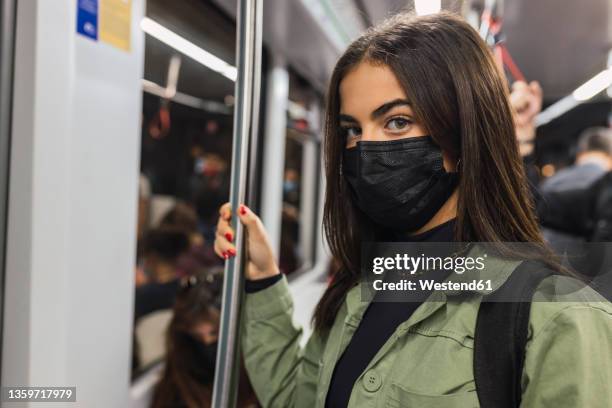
273,166
7,47
248,40
256,100
308,200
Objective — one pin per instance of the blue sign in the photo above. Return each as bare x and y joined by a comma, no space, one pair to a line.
87,18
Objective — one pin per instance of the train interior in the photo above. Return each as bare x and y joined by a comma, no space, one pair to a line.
117,154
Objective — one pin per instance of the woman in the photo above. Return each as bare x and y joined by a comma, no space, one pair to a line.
420,146
191,349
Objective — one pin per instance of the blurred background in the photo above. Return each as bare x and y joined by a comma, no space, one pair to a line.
116,129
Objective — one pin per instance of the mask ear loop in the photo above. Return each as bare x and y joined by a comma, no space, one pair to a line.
459,166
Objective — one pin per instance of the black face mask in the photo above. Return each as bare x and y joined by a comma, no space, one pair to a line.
399,184
205,356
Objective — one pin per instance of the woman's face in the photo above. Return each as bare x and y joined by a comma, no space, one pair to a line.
374,107
207,331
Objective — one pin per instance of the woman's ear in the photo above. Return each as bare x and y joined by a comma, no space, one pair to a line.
450,162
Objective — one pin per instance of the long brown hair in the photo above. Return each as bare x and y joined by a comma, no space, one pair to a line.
178,385
461,98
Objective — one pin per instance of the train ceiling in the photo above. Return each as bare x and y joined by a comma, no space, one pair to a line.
560,43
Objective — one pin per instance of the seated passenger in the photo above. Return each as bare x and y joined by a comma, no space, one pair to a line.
191,341
200,254
566,204
162,248
570,208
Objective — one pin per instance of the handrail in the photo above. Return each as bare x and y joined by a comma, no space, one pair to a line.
248,41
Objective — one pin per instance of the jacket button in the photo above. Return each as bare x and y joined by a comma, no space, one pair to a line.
372,381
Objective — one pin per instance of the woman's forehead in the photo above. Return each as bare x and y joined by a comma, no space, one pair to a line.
366,87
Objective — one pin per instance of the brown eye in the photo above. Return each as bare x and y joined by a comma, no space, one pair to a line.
398,124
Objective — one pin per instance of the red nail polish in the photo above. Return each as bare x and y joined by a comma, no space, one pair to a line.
231,252
228,236
225,255
242,209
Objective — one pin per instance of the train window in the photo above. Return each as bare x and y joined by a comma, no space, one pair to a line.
290,256
187,121
300,182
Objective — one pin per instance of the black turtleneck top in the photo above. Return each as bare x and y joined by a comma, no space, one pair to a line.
378,324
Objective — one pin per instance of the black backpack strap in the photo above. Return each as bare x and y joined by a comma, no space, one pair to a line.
501,335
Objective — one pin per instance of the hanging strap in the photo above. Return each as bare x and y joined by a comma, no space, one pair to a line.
501,336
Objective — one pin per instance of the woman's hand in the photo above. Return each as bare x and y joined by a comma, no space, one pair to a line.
260,259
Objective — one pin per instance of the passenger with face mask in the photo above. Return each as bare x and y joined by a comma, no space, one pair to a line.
191,349
420,146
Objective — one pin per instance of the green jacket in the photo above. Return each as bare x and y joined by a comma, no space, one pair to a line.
428,361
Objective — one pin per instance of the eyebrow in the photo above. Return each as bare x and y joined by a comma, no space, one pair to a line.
381,110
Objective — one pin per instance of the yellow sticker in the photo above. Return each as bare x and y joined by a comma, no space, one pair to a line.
116,23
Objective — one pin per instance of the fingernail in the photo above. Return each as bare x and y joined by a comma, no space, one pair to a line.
231,252
228,236
242,209
225,255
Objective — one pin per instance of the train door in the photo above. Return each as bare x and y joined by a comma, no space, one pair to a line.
70,230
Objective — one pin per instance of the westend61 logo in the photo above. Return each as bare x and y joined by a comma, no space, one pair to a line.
412,264
421,271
